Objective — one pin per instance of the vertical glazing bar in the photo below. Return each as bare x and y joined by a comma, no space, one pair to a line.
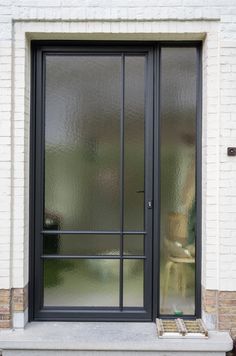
198,245
157,172
122,177
38,297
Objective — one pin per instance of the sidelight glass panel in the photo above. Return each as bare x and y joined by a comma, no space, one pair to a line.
82,283
133,245
134,142
177,163
82,141
86,245
133,283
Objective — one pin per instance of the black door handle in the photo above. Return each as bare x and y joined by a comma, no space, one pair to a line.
139,191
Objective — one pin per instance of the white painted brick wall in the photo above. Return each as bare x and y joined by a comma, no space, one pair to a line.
214,20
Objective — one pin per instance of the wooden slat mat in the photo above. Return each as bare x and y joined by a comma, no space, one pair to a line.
181,328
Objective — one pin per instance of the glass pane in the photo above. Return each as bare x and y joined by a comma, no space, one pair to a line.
82,141
133,283
86,245
82,283
134,245
134,143
178,136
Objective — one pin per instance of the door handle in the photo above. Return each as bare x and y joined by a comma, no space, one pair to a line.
139,191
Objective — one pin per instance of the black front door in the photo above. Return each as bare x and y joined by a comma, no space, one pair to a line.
115,181
93,128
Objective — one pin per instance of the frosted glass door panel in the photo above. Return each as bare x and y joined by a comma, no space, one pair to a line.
94,180
82,141
134,143
133,283
85,245
81,283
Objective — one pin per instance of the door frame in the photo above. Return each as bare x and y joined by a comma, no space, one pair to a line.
151,159
40,50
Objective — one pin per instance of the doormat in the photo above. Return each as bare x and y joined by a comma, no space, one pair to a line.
181,328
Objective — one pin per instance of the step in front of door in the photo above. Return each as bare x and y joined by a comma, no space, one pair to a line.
111,339
106,353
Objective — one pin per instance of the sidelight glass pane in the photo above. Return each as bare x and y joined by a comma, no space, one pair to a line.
86,282
85,245
178,201
133,283
134,142
82,141
134,245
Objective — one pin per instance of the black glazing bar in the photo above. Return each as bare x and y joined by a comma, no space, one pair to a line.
99,257
198,239
74,232
122,177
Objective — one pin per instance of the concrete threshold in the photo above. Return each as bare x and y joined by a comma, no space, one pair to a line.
99,338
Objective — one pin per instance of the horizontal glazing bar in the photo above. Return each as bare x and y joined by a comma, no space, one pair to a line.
91,309
97,54
74,232
104,257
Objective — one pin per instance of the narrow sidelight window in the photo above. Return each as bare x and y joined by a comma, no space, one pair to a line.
178,109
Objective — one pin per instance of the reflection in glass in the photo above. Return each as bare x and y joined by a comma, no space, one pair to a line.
134,143
86,282
133,283
82,141
178,118
86,245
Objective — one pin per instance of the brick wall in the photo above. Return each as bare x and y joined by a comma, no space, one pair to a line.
213,21
221,307
13,302
5,308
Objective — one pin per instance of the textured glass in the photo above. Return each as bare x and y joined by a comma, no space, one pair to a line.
86,282
133,245
177,139
82,141
133,283
86,245
134,143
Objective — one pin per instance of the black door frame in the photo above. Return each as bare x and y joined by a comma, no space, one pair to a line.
152,268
